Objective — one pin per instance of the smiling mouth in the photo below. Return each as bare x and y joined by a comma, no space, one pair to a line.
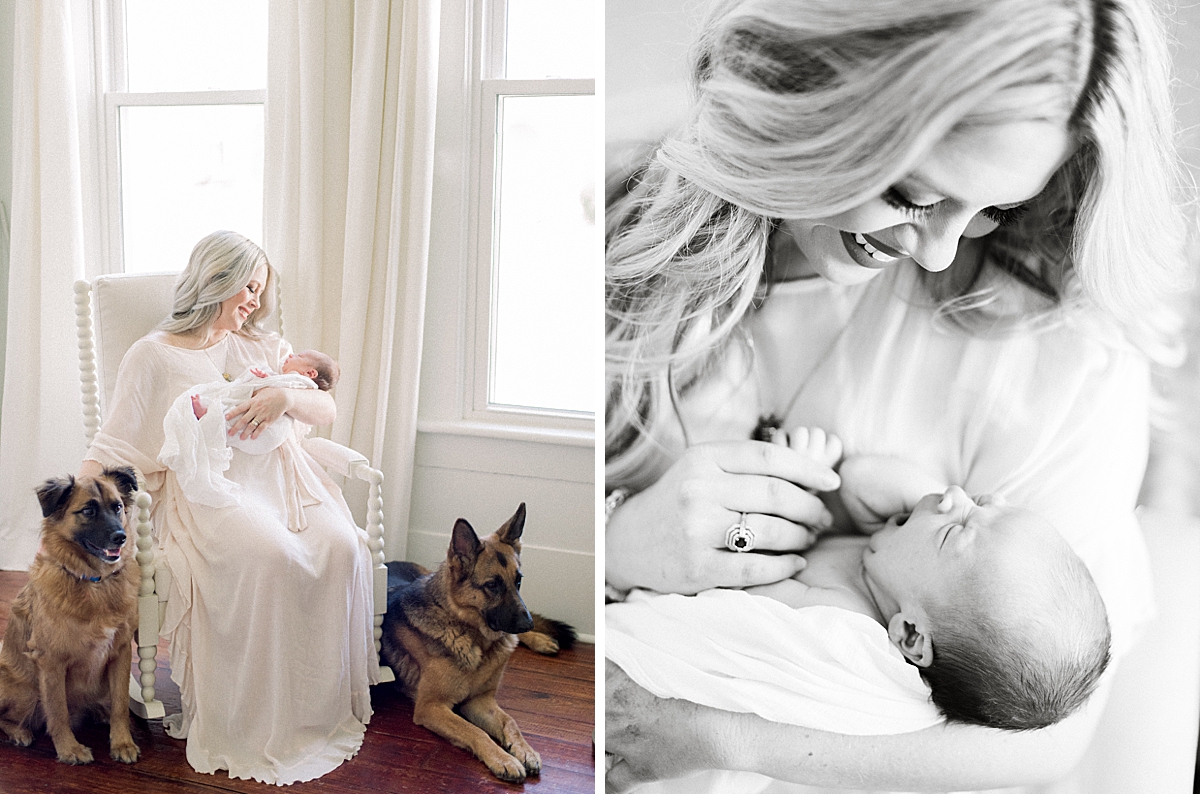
876,249
109,555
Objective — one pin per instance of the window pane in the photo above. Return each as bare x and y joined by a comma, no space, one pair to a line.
187,171
195,45
544,282
550,38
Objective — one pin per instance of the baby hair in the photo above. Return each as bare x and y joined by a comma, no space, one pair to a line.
1026,667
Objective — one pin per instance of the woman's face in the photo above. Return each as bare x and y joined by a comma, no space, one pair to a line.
235,309
968,184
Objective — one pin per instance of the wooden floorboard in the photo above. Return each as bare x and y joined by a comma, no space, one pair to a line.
551,698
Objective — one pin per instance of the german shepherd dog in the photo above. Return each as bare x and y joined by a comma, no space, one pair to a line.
66,651
448,634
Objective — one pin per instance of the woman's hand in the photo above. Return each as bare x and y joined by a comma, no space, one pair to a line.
652,738
257,413
671,536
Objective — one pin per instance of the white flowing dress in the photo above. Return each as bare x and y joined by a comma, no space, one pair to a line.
269,618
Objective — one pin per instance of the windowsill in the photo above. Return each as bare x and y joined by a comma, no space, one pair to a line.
541,435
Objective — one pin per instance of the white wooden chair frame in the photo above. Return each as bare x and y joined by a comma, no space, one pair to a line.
156,578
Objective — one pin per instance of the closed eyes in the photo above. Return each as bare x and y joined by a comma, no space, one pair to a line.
946,534
1006,216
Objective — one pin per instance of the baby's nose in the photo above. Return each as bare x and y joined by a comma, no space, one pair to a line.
953,499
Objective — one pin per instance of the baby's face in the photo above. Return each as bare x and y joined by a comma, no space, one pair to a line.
298,364
937,554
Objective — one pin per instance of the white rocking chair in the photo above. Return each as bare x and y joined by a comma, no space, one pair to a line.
127,307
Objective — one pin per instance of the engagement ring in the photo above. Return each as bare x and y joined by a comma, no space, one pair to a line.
740,537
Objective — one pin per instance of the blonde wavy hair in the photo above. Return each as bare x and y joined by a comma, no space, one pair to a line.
807,108
220,267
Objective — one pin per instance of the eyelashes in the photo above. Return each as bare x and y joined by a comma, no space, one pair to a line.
1006,217
898,200
1001,217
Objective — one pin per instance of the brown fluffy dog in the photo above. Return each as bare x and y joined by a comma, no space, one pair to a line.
449,633
67,648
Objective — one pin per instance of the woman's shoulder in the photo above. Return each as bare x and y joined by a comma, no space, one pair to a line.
265,340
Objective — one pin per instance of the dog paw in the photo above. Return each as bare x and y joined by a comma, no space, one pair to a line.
22,737
538,642
528,757
74,754
506,767
126,753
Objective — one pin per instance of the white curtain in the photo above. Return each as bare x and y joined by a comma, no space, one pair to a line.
41,422
350,115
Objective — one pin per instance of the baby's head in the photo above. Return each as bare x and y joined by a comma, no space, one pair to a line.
998,612
314,364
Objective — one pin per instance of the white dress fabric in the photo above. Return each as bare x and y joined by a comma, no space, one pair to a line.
269,619
1056,420
822,667
199,450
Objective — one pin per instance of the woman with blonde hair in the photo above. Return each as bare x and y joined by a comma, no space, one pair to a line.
942,229
269,619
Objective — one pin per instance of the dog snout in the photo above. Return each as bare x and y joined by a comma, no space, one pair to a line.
524,621
117,537
510,617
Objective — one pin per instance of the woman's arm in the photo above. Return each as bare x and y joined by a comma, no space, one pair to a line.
657,739
311,406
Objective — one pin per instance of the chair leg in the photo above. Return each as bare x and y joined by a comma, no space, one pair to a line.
141,687
374,478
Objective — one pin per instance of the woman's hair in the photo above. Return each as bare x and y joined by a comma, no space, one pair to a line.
807,108
1021,658
220,267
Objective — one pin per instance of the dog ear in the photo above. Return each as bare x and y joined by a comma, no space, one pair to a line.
510,533
464,543
125,478
54,493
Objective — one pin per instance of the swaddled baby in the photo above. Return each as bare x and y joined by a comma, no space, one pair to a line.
197,445
996,612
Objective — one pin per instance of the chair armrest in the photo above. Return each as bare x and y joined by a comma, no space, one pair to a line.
334,456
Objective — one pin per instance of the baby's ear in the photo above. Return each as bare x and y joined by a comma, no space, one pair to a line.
912,638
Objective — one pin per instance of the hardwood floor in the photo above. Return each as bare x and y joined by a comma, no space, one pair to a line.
551,698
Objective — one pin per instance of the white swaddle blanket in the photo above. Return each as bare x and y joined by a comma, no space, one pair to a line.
822,667
199,450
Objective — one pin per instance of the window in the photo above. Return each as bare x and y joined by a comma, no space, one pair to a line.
536,252
183,126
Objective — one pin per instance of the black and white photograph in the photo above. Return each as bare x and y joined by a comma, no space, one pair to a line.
901,433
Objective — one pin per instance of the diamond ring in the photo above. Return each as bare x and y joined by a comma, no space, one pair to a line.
739,537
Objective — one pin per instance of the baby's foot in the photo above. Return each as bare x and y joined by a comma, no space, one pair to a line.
198,409
825,448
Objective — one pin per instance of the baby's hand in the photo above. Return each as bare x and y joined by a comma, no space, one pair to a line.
198,409
258,373
824,448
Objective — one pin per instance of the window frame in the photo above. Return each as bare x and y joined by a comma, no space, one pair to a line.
111,82
487,88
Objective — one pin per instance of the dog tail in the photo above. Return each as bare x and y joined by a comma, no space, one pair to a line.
548,636
402,574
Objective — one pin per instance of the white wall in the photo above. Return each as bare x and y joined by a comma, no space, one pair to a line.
482,472
7,9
